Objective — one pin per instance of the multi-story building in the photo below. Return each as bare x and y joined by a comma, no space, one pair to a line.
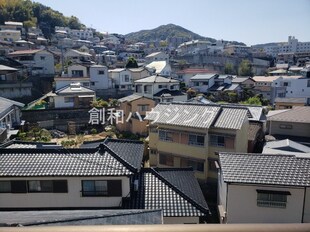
186,134
121,79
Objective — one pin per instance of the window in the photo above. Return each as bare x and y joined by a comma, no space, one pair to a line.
143,107
197,140
218,141
221,140
162,86
126,78
92,188
274,199
286,126
165,159
5,186
77,73
42,57
69,99
196,165
205,83
196,83
48,186
100,72
165,135
153,151
285,84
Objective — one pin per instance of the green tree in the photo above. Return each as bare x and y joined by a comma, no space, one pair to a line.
131,63
245,68
229,69
99,103
74,23
253,101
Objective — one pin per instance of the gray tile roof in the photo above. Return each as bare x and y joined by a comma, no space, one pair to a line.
23,144
171,92
129,150
63,162
231,118
80,217
299,114
158,189
239,79
130,98
206,76
197,115
6,104
188,115
269,169
81,90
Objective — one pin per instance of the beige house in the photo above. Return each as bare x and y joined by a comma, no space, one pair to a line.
263,188
138,73
134,108
289,123
186,134
289,102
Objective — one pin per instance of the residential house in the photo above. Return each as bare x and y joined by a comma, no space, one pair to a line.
160,88
292,123
99,77
260,66
244,82
139,73
289,102
202,82
161,68
10,117
75,73
72,96
263,85
187,134
38,62
184,75
76,56
156,56
263,188
106,177
134,108
192,47
121,79
11,83
240,50
23,45
94,76
10,35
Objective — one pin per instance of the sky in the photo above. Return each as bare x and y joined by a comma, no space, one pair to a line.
248,21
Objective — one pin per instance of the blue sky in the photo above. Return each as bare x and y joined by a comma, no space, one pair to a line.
248,21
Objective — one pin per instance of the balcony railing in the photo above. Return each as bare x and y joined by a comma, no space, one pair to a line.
167,228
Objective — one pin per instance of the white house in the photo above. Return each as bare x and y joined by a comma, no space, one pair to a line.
99,77
202,82
160,88
184,75
72,96
106,176
121,78
78,56
263,188
37,61
162,68
156,56
75,73
10,114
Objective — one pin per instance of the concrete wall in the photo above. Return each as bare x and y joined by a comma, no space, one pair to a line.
242,206
47,63
71,199
101,81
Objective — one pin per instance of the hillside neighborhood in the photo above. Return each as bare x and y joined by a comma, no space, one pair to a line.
102,129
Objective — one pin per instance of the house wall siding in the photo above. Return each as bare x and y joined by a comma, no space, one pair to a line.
242,205
71,199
